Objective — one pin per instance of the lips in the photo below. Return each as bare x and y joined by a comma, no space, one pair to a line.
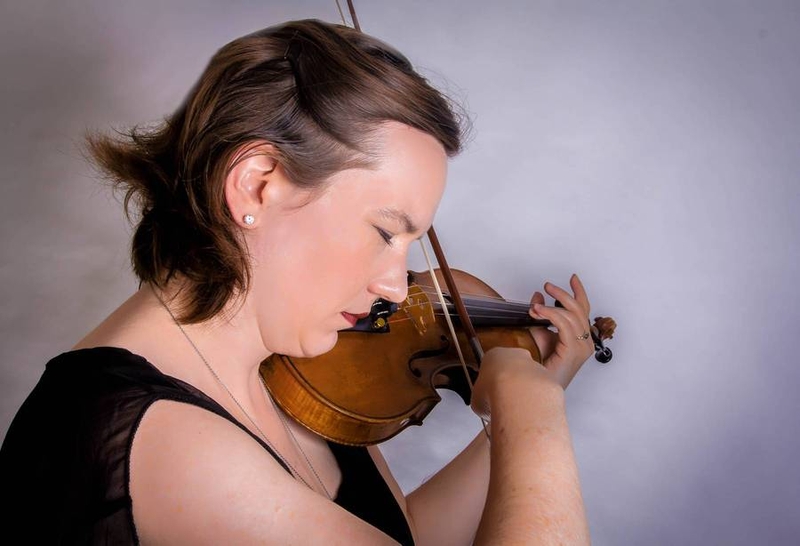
352,318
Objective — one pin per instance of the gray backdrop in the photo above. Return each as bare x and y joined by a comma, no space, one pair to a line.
651,146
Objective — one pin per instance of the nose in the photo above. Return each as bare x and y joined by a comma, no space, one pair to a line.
392,285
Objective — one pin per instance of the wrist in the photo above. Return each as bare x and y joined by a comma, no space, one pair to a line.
536,394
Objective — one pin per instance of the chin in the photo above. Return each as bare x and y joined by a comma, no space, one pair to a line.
320,345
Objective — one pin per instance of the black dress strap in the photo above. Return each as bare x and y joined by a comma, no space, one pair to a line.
362,480
64,462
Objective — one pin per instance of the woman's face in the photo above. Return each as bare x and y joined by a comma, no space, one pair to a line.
318,262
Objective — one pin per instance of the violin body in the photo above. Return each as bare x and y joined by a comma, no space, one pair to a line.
372,385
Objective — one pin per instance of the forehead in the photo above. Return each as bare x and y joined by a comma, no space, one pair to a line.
398,145
406,181
411,164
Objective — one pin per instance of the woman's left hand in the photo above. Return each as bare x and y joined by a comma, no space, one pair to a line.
563,352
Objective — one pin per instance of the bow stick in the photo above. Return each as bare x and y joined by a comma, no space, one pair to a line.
466,323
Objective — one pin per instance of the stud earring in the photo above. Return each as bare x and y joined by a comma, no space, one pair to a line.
249,219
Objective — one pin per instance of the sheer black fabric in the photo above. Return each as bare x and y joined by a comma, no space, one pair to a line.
64,462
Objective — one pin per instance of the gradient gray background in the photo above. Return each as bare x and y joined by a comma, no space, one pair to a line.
653,147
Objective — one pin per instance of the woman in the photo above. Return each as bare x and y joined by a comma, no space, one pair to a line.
274,207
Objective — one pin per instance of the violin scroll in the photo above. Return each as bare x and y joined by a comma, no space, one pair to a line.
603,328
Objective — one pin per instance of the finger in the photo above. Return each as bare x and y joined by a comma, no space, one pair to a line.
565,322
538,297
569,337
568,302
580,293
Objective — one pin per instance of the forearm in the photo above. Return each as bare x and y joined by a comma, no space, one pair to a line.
534,493
447,508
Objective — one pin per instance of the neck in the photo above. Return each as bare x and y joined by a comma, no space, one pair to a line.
229,344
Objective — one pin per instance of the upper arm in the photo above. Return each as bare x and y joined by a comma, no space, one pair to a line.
196,478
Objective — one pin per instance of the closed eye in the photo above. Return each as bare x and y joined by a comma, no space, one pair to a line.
385,235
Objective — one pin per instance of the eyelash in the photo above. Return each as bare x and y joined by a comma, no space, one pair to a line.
385,235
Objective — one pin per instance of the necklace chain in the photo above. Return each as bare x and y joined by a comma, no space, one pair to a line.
267,396
294,439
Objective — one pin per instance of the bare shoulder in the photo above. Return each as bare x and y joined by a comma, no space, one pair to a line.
196,478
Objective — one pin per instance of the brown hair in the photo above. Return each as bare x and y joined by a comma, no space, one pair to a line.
315,91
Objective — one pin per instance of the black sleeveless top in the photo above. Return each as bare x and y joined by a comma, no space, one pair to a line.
64,462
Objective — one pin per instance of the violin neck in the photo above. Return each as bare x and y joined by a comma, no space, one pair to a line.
489,312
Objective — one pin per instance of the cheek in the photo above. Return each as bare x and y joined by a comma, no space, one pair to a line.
305,277
332,282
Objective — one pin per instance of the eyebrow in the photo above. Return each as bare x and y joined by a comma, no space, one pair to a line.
400,217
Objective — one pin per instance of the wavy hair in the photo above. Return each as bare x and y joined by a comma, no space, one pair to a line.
315,91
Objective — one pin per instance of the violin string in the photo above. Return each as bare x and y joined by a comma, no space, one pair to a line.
491,313
399,321
486,316
440,312
495,299
540,323
498,299
489,299
477,304
521,306
493,310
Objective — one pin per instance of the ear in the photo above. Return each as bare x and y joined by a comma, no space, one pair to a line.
254,182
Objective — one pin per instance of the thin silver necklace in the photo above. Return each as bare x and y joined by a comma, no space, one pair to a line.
294,471
294,439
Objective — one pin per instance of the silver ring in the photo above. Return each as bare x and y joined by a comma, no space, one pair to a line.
585,335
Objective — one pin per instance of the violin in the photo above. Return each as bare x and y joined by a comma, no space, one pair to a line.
382,374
